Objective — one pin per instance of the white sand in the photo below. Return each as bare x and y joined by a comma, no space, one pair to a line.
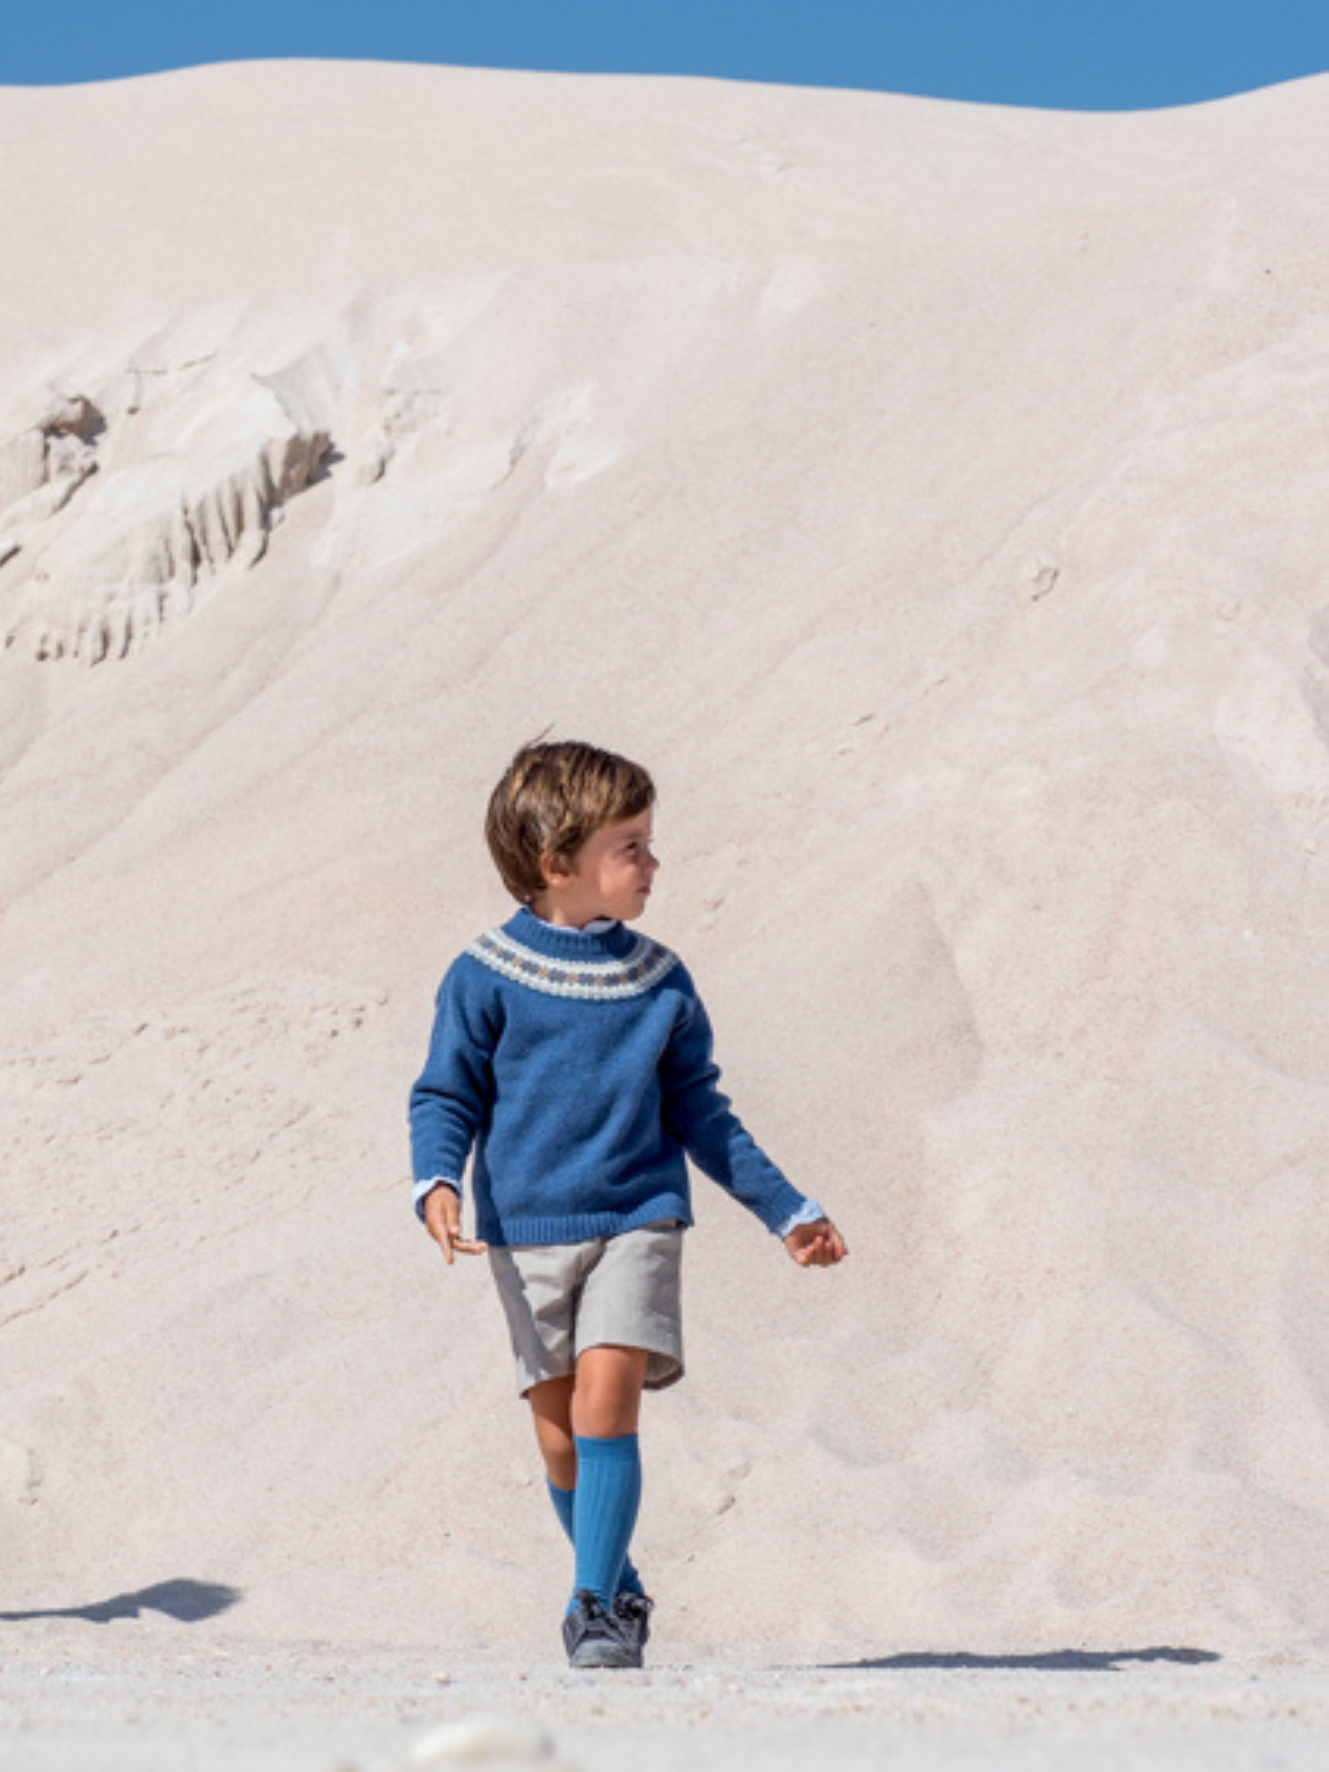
934,497
155,1704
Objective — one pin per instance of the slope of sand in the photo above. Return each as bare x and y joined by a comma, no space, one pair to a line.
935,497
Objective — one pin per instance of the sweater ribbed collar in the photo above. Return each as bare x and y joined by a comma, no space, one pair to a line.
614,943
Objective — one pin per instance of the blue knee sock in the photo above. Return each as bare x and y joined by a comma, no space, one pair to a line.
629,1582
604,1510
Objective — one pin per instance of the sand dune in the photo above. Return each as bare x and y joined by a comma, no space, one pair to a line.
934,497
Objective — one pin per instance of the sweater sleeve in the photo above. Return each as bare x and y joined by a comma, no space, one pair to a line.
698,1114
451,1098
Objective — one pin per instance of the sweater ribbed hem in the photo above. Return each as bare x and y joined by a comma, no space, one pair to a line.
581,1227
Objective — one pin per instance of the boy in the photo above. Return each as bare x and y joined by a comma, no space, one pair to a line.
576,1057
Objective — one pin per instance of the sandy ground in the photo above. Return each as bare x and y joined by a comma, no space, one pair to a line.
131,1695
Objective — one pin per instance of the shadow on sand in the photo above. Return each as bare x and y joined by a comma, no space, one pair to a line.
188,1602
1055,1661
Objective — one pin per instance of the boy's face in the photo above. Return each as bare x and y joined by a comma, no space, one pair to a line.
610,875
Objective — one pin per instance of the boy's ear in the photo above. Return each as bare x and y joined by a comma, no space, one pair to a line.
554,870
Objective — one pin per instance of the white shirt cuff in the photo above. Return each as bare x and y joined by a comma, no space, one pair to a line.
808,1213
423,1189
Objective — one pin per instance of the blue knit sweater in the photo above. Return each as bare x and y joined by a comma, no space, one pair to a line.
579,1067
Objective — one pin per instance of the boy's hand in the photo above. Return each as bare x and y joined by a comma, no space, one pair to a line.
443,1222
818,1244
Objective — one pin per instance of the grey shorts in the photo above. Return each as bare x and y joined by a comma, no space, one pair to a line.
624,1291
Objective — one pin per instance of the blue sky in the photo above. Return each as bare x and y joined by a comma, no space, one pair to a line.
1070,54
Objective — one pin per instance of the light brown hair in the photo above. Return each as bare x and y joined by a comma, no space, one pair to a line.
552,797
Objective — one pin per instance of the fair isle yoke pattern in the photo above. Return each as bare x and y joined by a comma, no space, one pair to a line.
602,981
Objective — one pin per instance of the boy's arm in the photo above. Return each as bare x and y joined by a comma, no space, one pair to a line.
698,1114
448,1103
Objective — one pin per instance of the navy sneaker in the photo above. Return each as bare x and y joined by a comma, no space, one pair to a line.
633,1612
596,1638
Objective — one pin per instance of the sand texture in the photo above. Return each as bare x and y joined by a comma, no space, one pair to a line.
935,498
158,1704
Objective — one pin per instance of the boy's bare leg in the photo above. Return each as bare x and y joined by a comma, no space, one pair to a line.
606,1399
551,1411
603,1398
